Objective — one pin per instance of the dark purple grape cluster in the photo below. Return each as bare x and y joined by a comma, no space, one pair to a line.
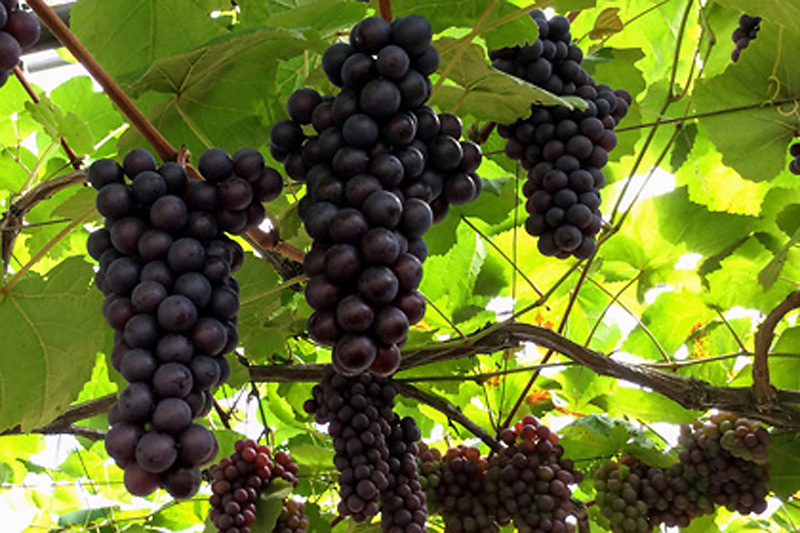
403,502
794,164
563,150
358,411
19,30
461,492
236,482
530,479
746,32
376,164
165,268
293,518
727,454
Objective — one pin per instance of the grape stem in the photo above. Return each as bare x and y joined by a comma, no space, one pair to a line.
73,158
385,8
448,409
764,393
11,222
154,137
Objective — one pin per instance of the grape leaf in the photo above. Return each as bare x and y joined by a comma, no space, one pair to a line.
753,141
128,35
784,477
780,12
485,92
270,503
58,330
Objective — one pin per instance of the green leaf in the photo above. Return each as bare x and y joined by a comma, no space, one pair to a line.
127,35
485,92
270,503
324,16
58,331
83,517
753,141
779,12
199,85
59,125
770,273
784,475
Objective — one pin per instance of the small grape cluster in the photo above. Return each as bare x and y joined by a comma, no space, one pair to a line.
723,461
236,482
19,30
563,150
403,502
293,518
794,164
727,454
429,467
530,479
358,411
619,496
460,491
746,32
635,496
378,167
165,270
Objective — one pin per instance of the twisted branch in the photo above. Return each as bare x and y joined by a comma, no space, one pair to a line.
764,392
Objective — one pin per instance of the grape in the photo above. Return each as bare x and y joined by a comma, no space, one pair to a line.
10,51
125,234
746,31
300,106
185,255
123,275
413,33
175,177
137,161
360,130
104,172
114,200
357,70
194,286
354,354
177,313
139,482
135,403
354,315
172,415
121,442
138,365
380,99
393,62
142,331
209,336
378,285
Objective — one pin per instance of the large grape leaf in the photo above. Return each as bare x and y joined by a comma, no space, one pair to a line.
503,23
325,16
785,472
199,85
782,12
754,141
53,333
128,35
482,91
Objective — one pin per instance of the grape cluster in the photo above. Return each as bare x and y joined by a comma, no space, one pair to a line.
403,502
746,32
378,165
727,454
619,496
429,468
794,165
18,30
293,518
530,479
723,461
358,411
460,494
165,270
563,150
236,482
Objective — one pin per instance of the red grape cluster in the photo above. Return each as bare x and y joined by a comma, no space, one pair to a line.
18,30
165,268
358,411
293,518
403,502
727,454
563,150
742,35
794,164
236,482
723,461
376,164
531,479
